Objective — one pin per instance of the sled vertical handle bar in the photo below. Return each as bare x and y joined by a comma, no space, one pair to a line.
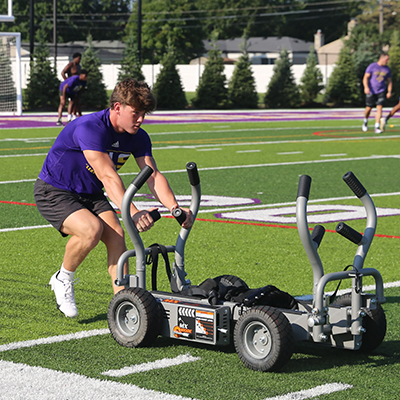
349,233
304,186
354,184
142,177
317,234
193,173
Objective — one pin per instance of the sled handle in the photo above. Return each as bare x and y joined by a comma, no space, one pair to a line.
354,184
179,215
317,234
142,177
349,233
193,173
155,215
304,186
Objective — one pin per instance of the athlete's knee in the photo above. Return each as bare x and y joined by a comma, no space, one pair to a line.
92,234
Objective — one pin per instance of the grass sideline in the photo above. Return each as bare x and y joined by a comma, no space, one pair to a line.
249,160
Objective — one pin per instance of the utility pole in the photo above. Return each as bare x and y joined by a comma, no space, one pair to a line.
55,32
381,16
31,28
139,44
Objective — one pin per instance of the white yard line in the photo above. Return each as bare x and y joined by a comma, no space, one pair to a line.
373,157
159,364
24,228
310,393
53,339
23,382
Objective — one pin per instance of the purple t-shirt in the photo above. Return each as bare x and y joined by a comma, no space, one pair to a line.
379,75
75,85
65,166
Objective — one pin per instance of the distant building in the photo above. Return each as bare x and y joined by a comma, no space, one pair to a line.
109,51
328,54
263,50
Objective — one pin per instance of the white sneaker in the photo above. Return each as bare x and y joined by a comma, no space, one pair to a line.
364,127
65,297
382,124
377,130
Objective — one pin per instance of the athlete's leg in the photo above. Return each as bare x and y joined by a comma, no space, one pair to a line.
85,230
114,239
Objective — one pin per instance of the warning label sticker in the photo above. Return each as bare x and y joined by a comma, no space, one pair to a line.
204,325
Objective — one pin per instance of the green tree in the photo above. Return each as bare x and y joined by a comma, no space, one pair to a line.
95,95
168,88
212,92
394,64
104,19
282,90
344,85
42,91
168,23
311,80
299,19
130,65
242,91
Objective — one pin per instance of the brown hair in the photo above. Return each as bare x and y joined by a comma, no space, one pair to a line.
133,93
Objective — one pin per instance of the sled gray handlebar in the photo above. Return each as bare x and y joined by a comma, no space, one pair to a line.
317,234
349,233
354,184
193,174
304,186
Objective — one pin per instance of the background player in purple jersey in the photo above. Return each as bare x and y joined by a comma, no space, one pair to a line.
71,69
377,76
83,160
71,88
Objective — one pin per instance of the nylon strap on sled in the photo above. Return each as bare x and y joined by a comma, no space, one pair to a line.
152,258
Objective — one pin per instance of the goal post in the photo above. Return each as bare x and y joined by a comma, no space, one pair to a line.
9,17
10,73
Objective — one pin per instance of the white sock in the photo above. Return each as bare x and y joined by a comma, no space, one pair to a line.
69,117
365,120
376,124
65,275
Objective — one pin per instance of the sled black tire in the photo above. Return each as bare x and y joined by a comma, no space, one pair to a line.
263,339
134,317
374,323
231,280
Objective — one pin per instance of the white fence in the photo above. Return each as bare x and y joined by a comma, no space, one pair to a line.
190,74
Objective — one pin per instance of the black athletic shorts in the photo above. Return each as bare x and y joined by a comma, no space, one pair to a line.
373,100
70,96
55,205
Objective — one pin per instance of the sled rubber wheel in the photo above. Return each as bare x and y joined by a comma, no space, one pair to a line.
263,339
134,317
231,280
374,323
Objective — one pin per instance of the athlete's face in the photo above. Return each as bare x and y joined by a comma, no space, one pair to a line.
129,120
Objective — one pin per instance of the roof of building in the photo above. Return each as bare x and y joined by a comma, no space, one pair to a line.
262,45
109,50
